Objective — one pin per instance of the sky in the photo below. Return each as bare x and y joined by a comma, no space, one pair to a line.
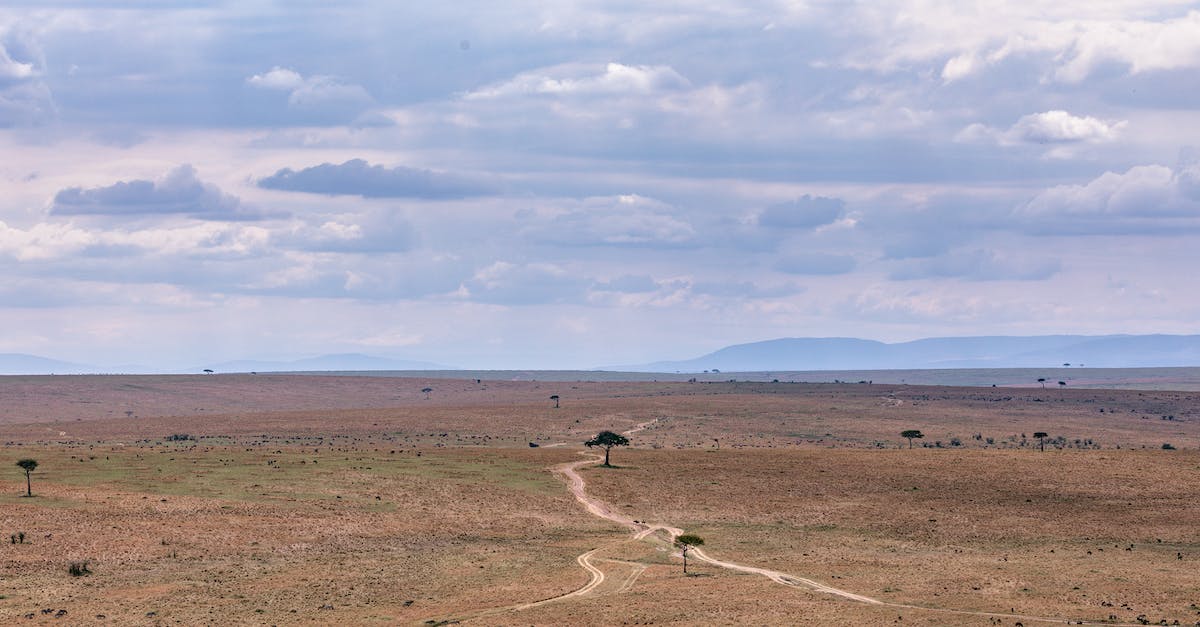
587,183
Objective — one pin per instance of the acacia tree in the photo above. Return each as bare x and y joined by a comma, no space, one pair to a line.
911,434
1042,380
28,465
1041,436
685,542
607,440
554,397
426,391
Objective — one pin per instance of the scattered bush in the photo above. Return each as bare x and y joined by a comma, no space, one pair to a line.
1167,446
180,437
79,569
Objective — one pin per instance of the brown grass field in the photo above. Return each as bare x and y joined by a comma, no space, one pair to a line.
357,500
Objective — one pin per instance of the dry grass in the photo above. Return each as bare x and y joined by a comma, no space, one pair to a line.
978,530
300,494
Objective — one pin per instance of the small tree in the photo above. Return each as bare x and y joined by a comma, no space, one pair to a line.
911,434
554,397
28,465
607,440
1043,382
426,391
1041,436
685,542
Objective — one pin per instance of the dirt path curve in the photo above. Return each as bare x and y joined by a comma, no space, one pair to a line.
641,529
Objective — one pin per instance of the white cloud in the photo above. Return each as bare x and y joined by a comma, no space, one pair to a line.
1143,194
1069,41
313,93
625,220
575,79
277,78
65,241
1060,126
25,98
1048,127
11,69
506,283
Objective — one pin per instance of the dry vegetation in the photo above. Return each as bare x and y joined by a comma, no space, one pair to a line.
354,499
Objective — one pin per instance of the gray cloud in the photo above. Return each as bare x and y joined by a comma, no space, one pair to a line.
815,264
179,192
977,265
628,284
359,178
744,289
379,231
25,99
314,93
626,221
806,212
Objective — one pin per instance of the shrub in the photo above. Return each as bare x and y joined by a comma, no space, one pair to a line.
79,569
1167,446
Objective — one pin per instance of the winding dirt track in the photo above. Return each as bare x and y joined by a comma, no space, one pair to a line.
641,530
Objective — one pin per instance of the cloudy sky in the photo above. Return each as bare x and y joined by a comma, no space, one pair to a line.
573,184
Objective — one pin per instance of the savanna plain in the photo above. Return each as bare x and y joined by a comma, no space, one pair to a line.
298,499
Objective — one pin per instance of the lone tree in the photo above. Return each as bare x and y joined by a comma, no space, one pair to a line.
607,440
1041,436
28,465
1043,382
685,542
911,434
554,397
426,391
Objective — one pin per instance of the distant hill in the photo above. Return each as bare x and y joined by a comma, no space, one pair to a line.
339,362
1109,351
20,363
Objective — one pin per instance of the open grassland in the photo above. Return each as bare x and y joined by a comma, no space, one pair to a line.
1075,534
229,535
355,500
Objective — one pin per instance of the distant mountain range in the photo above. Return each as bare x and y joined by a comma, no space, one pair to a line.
786,354
1106,351
340,362
18,363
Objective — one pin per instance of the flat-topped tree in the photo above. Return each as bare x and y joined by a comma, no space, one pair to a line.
1041,436
554,397
685,542
426,391
607,440
28,465
911,434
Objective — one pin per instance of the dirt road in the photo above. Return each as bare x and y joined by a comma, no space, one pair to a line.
640,530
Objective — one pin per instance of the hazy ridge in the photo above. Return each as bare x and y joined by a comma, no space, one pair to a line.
1110,351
